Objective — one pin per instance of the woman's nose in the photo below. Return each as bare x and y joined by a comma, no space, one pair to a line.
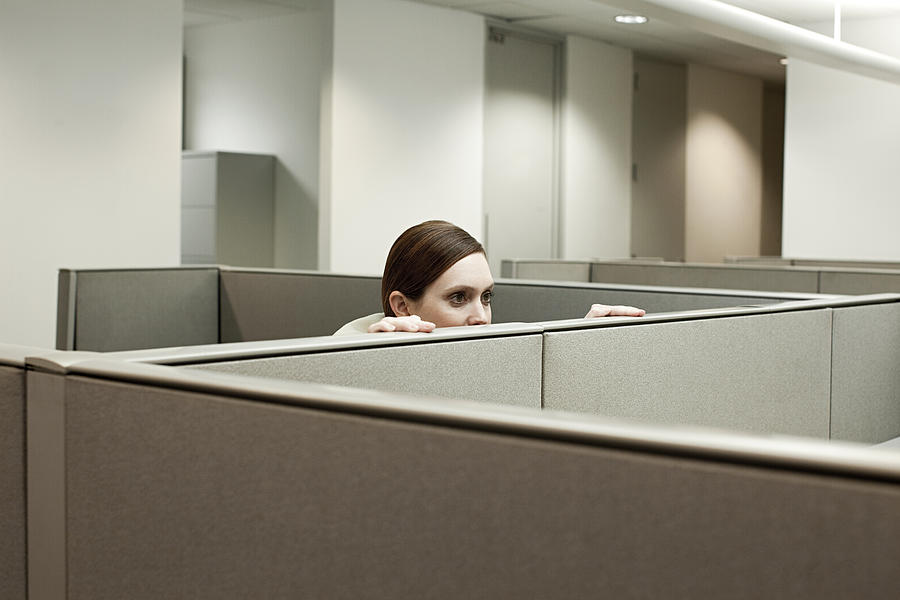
478,316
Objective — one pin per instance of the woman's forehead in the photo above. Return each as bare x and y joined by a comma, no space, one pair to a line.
471,271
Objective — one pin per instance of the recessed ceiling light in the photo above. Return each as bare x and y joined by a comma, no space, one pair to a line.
783,61
631,19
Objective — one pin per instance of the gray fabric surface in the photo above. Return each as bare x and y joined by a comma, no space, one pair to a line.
272,306
776,279
865,402
767,373
504,370
183,495
554,271
848,282
156,308
12,483
534,303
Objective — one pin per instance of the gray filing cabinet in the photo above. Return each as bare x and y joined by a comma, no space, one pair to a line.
227,208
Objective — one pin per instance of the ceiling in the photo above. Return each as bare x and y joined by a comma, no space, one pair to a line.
595,19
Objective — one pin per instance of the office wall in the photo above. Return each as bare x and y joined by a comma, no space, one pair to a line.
842,140
90,104
596,156
405,127
724,164
253,86
659,127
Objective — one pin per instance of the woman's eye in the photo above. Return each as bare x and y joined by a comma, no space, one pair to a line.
458,298
487,297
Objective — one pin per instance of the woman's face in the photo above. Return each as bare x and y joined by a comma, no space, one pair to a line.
460,296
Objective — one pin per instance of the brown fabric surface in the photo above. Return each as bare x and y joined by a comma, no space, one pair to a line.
12,483
181,495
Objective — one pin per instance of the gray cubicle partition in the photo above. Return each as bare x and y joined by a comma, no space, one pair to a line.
13,577
179,483
495,363
743,277
865,380
814,262
546,270
266,304
819,368
858,281
766,373
762,274
533,301
124,309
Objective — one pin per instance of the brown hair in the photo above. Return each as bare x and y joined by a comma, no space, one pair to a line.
420,255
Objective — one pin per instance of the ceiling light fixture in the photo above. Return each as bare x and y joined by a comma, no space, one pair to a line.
631,19
783,61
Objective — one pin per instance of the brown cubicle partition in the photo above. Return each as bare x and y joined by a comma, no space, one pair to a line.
178,483
13,576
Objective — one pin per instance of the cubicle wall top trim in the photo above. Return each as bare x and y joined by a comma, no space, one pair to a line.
716,313
304,272
656,289
12,355
813,456
132,269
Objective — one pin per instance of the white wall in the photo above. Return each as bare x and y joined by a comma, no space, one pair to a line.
842,145
253,86
596,169
90,104
405,127
841,181
724,165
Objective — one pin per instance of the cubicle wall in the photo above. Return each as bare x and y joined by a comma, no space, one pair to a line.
12,471
500,364
865,380
741,277
758,275
111,310
552,270
184,484
813,262
819,368
532,301
768,373
123,309
858,281
266,305
824,372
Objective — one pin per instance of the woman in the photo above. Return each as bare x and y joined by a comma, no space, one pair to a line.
436,275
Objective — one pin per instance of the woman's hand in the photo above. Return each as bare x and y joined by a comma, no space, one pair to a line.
602,310
410,323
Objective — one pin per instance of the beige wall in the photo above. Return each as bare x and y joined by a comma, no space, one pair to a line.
724,164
